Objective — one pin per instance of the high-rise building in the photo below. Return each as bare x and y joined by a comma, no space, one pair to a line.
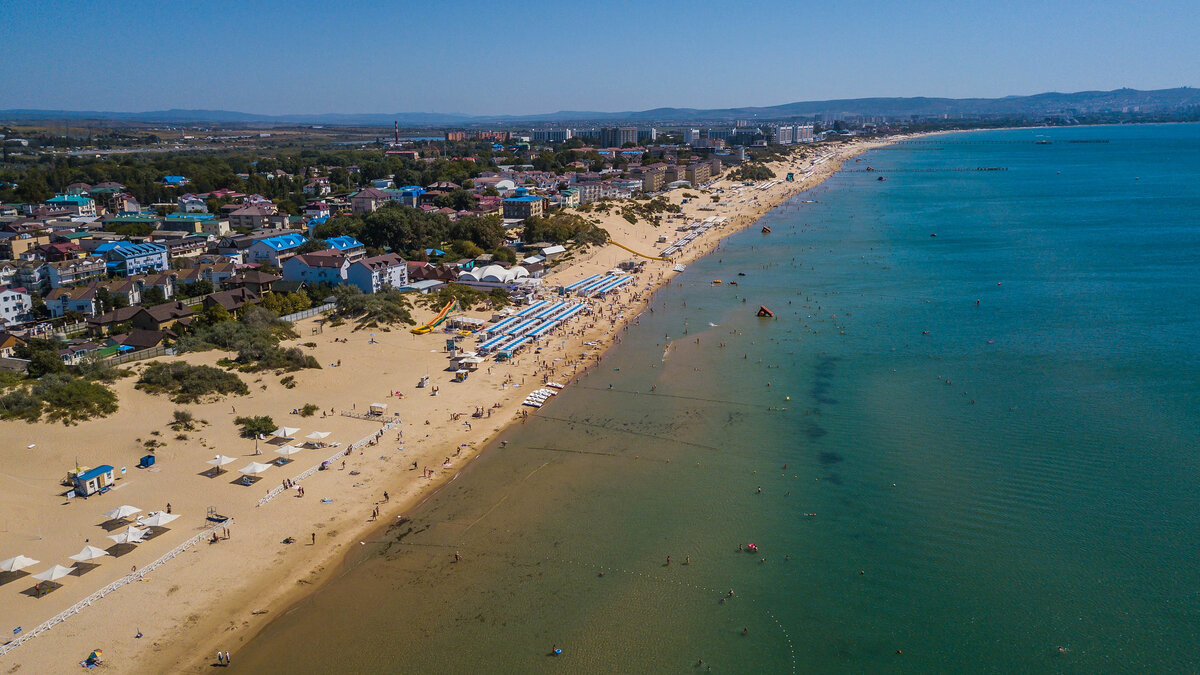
647,135
615,137
551,135
690,136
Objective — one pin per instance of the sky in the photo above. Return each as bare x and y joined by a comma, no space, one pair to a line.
497,58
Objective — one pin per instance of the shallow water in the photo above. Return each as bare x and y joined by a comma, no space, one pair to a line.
994,427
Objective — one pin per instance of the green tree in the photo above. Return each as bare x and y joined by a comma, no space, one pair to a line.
43,356
153,296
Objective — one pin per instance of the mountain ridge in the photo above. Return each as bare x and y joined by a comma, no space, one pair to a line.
920,106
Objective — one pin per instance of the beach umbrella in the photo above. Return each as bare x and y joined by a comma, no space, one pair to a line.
89,553
285,432
54,573
220,460
157,520
131,535
254,468
121,512
288,450
318,435
18,563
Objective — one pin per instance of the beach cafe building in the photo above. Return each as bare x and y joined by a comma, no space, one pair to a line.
93,481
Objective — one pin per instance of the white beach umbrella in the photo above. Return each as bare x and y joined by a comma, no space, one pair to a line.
158,520
285,432
288,450
18,563
254,468
56,572
318,435
89,553
121,512
220,460
131,535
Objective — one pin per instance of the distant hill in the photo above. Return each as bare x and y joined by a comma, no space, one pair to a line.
1158,100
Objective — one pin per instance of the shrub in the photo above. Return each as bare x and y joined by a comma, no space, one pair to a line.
185,383
309,409
70,399
289,381
255,426
183,421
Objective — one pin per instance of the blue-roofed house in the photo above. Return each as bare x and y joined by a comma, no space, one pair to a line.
127,258
523,207
175,181
76,204
352,248
409,195
275,250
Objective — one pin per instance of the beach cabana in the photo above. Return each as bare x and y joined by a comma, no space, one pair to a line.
51,575
158,520
16,564
93,481
286,433
131,535
89,553
378,408
253,469
121,512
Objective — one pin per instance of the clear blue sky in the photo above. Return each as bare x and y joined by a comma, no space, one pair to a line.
497,57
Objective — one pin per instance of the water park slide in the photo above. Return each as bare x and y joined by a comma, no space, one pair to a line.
643,255
435,321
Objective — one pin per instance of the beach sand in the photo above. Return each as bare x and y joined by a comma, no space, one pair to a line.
217,595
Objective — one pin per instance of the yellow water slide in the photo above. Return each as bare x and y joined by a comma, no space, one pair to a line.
435,321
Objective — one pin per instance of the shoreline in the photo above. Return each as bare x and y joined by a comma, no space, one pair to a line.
350,559
233,609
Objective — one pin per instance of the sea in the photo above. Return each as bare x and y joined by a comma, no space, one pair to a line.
966,442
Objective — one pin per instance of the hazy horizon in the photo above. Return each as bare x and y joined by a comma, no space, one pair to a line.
536,58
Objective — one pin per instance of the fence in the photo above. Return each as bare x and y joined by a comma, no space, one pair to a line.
94,597
139,355
278,489
311,311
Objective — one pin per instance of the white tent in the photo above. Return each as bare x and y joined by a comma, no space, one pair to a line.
121,512
254,468
56,572
288,450
285,432
157,520
18,563
89,553
220,460
318,435
131,535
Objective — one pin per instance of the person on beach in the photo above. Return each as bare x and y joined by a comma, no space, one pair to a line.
314,538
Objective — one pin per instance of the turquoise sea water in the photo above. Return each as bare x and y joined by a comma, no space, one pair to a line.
995,429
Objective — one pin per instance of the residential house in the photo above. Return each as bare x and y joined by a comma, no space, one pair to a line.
167,282
60,251
71,272
9,344
76,204
160,317
138,339
317,210
368,200
81,299
378,273
232,300
524,207
190,203
257,217
75,354
15,305
254,280
175,181
276,249
347,245
127,258
318,186
102,324
329,266
213,273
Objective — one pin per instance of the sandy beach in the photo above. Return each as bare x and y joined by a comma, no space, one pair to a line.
216,595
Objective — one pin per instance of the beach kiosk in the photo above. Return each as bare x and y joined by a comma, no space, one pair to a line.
378,409
93,481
